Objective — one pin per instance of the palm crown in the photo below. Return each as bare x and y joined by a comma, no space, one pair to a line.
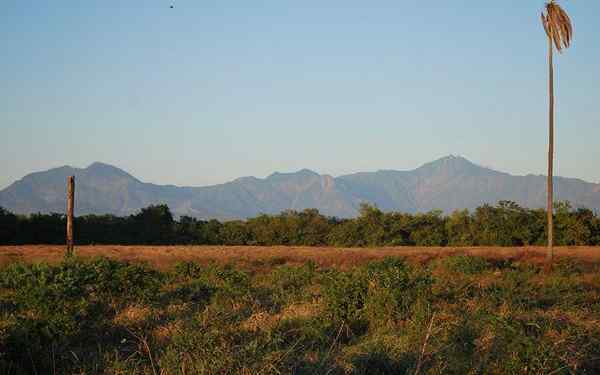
557,25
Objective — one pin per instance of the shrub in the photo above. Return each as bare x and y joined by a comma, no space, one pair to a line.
568,267
195,291
513,289
378,362
187,270
226,280
288,283
468,265
124,281
393,288
58,306
51,310
344,295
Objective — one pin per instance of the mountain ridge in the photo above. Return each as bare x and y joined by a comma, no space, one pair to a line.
448,183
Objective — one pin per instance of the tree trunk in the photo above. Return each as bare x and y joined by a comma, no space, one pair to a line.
70,209
550,186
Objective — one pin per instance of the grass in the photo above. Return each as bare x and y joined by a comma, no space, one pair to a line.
249,257
317,312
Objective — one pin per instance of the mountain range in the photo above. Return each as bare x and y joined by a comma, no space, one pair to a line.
449,183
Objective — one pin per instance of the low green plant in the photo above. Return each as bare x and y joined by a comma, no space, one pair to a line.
457,315
465,264
119,280
344,297
394,287
289,283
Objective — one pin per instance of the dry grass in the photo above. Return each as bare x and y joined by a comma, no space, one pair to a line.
133,315
263,320
164,257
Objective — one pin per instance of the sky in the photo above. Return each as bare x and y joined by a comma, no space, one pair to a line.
211,90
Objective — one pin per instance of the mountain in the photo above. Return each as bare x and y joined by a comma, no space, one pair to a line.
447,184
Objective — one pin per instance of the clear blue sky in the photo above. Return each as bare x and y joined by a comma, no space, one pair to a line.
213,89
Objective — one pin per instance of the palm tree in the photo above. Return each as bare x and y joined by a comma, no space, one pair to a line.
559,30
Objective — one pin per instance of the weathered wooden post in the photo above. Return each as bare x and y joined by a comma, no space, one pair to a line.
70,209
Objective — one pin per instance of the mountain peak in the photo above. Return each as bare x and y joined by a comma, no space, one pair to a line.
451,165
301,173
452,159
99,164
306,171
103,169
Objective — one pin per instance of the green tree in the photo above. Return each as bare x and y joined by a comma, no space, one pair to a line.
8,227
398,227
209,232
506,224
154,225
314,228
346,233
264,229
235,233
459,228
185,230
573,228
429,229
371,224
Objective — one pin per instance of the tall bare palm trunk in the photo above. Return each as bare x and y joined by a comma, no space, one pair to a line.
550,187
558,28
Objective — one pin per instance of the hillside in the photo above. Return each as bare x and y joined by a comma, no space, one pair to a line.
447,184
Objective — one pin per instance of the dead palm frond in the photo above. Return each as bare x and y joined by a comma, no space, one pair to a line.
557,25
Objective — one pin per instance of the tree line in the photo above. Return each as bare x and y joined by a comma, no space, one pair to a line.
504,224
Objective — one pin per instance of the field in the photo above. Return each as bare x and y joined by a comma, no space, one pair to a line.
284,310
164,257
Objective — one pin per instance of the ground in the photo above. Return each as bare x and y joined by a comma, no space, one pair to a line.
164,257
297,310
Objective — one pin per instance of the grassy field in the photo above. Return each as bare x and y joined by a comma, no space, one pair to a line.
165,257
280,310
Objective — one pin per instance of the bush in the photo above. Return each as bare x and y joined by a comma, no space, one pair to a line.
465,264
51,310
288,283
124,281
393,289
58,306
344,295
226,278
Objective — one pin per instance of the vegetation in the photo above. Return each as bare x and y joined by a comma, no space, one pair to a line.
505,224
456,314
559,30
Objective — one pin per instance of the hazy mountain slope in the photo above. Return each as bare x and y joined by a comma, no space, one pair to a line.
100,188
449,183
454,183
250,196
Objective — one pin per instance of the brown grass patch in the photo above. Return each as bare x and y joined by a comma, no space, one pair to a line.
133,315
258,321
264,320
257,258
163,333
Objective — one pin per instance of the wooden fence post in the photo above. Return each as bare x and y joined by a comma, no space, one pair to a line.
70,209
